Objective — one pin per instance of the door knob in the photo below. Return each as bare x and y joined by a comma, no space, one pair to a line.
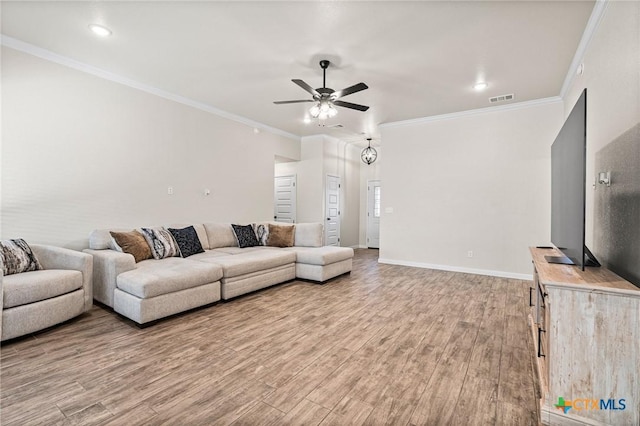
328,218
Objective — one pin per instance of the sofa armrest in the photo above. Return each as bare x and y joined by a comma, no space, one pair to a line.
107,265
51,257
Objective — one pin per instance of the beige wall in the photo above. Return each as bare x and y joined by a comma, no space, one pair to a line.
478,182
80,152
612,78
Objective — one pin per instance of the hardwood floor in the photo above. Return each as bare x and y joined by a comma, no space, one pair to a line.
384,345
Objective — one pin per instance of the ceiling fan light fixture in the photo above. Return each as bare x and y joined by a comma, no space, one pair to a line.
314,111
323,110
326,99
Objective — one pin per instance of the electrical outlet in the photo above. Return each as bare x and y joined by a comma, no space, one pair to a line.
170,190
470,253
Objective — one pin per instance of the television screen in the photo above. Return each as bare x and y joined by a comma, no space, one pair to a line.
568,187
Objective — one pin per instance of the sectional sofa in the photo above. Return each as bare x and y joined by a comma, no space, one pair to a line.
155,288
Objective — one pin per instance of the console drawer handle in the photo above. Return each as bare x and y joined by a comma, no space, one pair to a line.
540,354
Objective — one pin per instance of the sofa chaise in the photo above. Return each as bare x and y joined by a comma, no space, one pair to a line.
155,288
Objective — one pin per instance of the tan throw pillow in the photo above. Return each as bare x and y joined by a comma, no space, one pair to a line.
281,235
133,243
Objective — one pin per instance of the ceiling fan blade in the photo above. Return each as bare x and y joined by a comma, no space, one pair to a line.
293,102
350,105
306,87
349,90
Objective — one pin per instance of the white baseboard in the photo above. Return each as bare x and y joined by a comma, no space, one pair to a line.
501,274
358,246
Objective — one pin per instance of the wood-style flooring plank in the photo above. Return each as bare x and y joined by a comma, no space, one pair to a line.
386,344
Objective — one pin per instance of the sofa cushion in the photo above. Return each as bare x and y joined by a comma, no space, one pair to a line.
220,235
246,263
281,235
308,235
209,253
30,287
202,233
238,250
245,236
187,240
133,243
155,277
161,242
321,255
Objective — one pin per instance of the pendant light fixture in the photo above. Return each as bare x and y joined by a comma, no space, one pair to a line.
369,154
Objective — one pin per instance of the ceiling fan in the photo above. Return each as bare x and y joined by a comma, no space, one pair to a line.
325,98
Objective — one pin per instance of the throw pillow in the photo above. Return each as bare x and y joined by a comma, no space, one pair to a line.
187,240
281,235
161,243
133,243
16,256
262,232
245,236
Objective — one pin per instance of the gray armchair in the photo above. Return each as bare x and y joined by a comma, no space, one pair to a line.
32,301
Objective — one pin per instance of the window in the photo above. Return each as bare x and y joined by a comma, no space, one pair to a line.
376,201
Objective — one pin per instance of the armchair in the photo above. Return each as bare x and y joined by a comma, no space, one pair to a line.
32,301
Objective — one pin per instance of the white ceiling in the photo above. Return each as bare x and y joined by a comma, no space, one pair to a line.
419,59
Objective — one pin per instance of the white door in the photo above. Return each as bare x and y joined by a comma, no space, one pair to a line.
373,214
332,210
285,199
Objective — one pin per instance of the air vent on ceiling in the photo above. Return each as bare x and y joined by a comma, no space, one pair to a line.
335,126
501,98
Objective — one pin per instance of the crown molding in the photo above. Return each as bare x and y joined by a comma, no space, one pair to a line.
48,55
592,25
479,111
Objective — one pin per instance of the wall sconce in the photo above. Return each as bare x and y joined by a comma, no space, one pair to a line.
604,178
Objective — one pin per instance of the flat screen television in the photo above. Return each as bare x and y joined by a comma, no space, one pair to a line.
568,189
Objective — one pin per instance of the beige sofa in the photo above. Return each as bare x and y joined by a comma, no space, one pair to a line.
153,289
32,301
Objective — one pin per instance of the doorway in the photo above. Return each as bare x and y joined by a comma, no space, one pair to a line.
284,199
373,214
332,210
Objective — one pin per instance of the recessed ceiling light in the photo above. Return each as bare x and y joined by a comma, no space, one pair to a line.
100,30
307,120
480,86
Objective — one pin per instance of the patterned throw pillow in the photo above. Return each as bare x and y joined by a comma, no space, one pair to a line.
16,256
281,235
262,232
133,243
161,243
245,236
187,240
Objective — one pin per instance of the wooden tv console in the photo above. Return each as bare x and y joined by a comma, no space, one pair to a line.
586,332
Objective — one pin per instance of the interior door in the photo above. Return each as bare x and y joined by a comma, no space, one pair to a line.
332,210
373,214
285,199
